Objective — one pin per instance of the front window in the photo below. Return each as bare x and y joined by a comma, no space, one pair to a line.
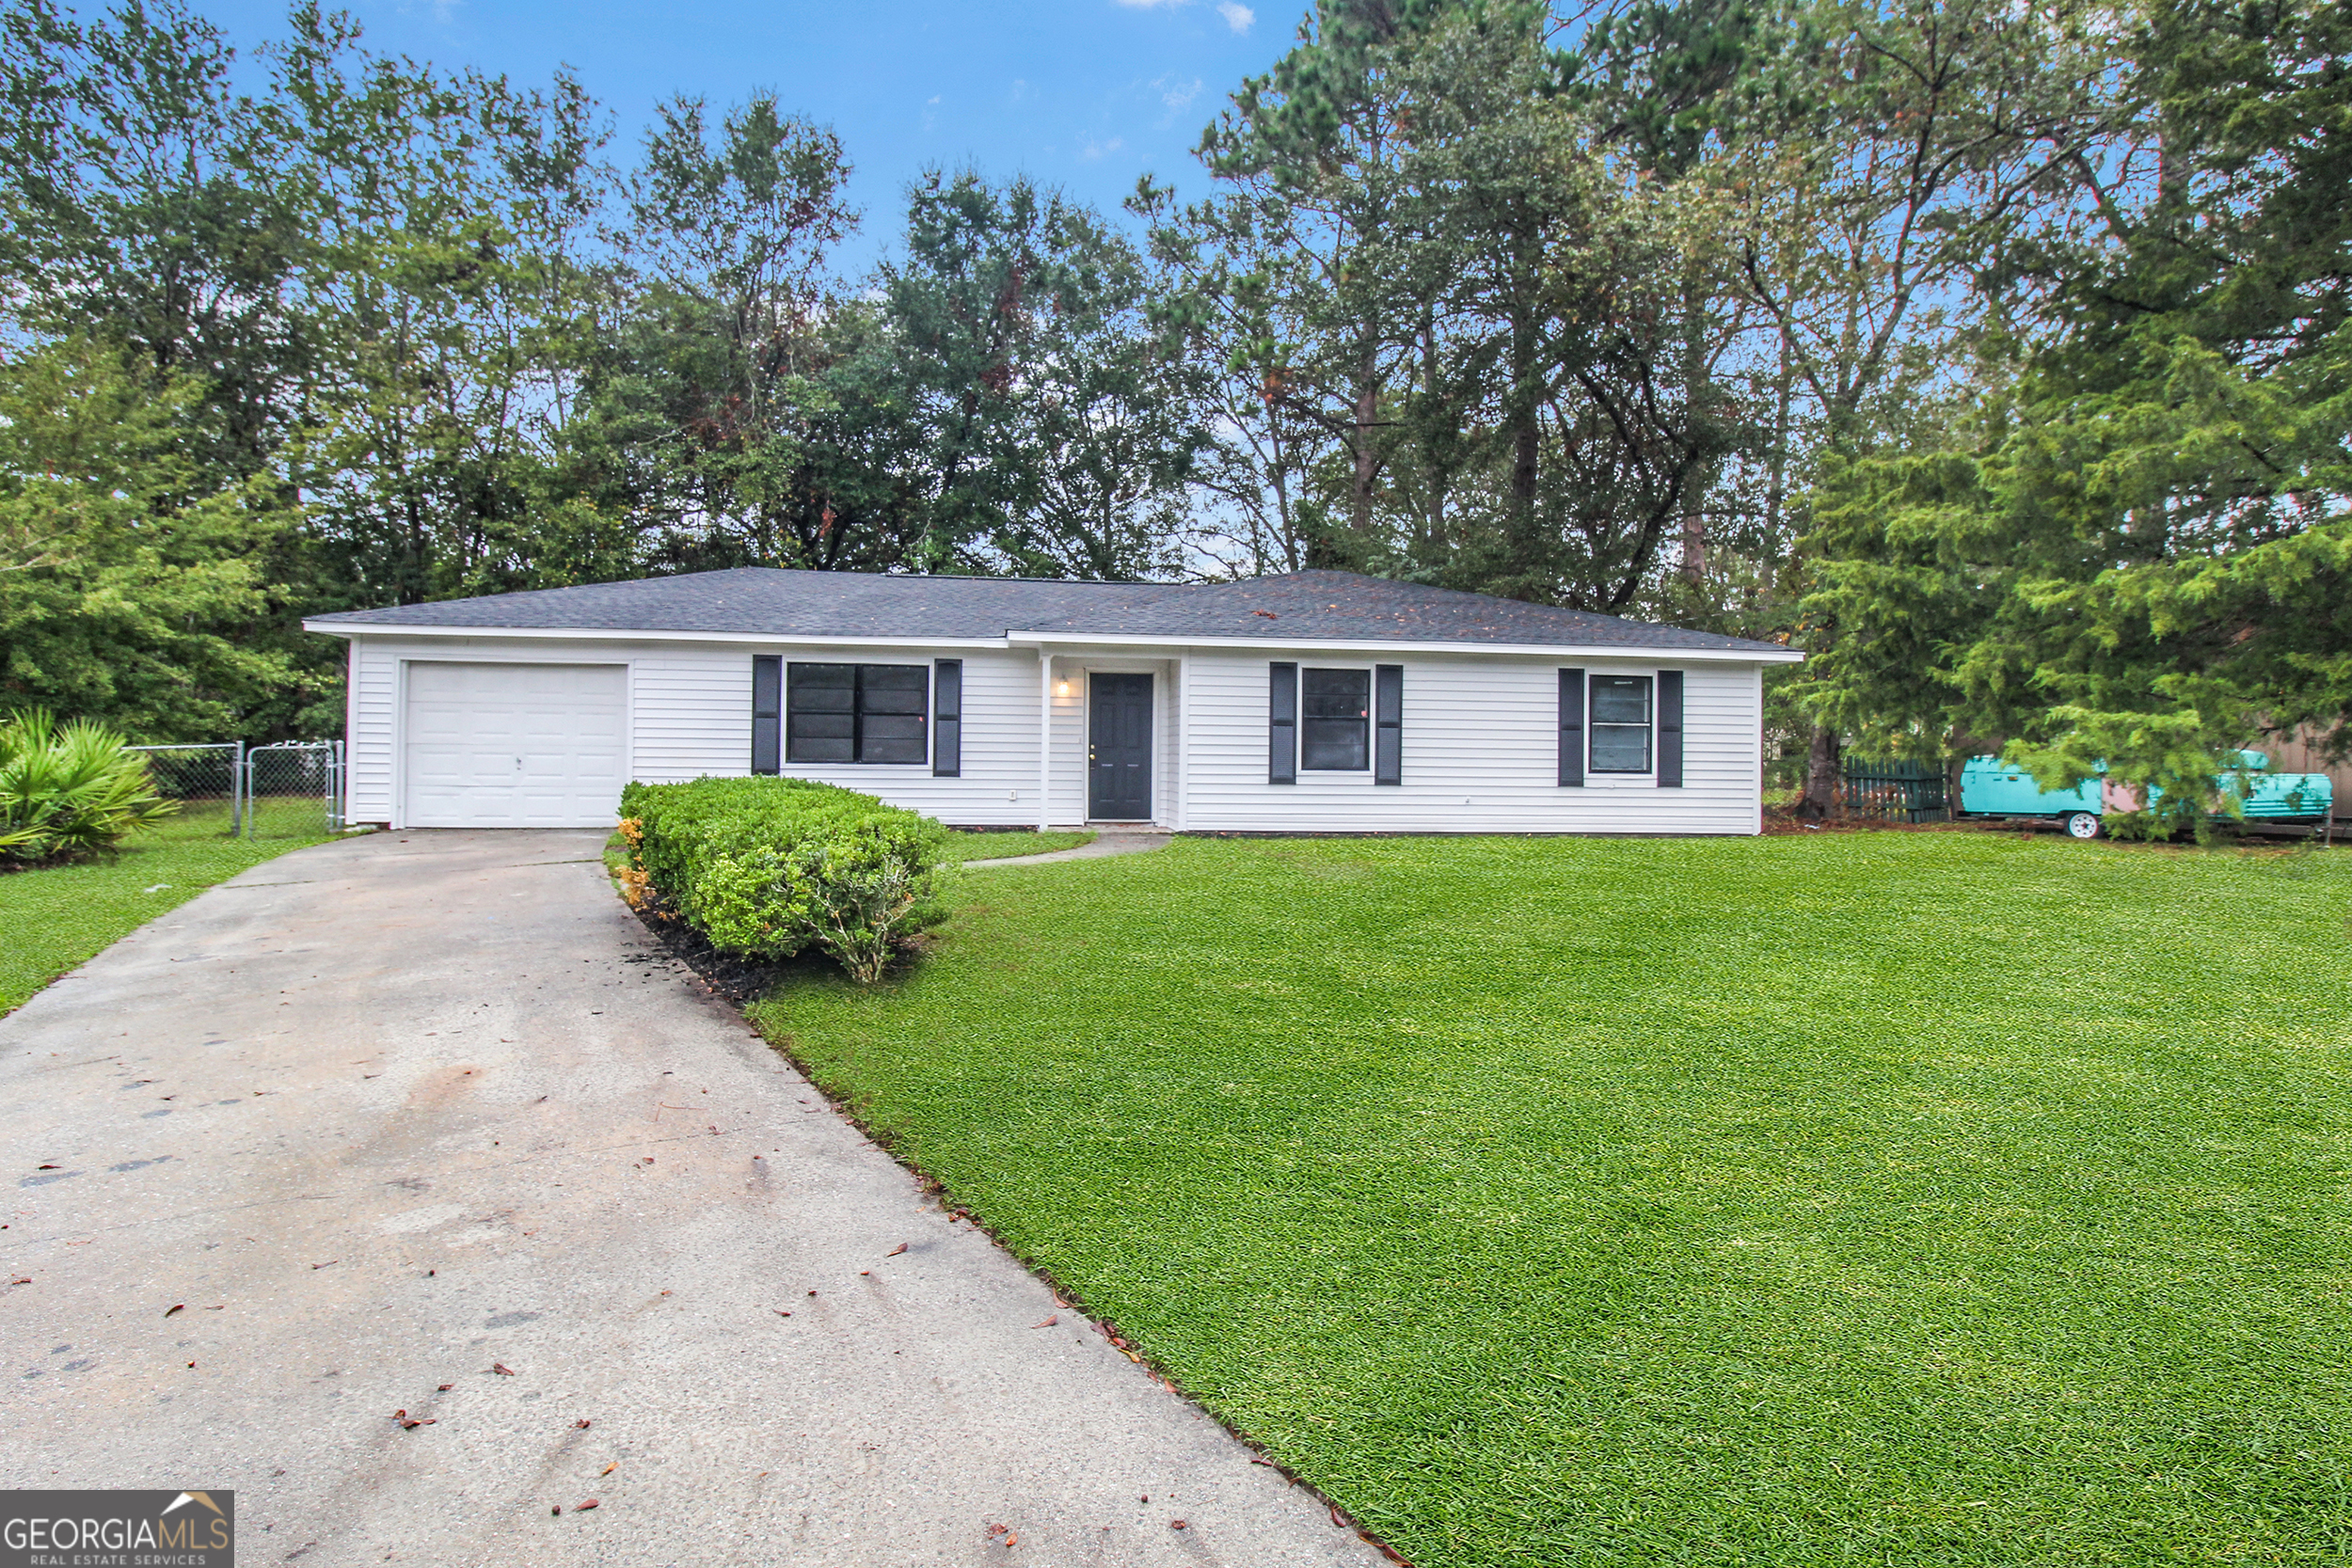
857,713
1335,729
1621,723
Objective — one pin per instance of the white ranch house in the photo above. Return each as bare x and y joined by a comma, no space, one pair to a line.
1317,702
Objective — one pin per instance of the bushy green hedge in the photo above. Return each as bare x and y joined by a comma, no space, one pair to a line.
769,867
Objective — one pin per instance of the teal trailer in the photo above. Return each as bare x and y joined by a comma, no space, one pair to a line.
1990,788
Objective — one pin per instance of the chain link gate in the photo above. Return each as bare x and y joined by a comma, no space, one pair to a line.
294,789
289,790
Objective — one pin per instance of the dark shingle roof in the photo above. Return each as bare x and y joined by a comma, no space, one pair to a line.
1304,605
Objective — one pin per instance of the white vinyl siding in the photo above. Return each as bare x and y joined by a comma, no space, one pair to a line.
1480,736
1481,755
690,707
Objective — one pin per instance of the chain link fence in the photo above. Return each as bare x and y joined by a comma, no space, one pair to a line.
294,789
208,782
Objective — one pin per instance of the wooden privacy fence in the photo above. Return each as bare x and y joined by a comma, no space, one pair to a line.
1895,791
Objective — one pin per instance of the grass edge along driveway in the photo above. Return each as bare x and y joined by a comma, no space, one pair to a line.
54,919
1869,1198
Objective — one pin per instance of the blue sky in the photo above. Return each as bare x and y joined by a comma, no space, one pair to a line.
1086,94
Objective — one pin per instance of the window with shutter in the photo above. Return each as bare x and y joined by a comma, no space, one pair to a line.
1620,724
948,717
857,713
1335,720
1670,729
1571,728
767,711
1388,739
1283,723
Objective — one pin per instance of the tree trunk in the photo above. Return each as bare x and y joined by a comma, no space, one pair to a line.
1367,462
1693,396
1525,413
1822,773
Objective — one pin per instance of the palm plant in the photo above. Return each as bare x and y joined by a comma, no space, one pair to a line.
69,790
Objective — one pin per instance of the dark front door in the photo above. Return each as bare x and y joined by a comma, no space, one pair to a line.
1119,750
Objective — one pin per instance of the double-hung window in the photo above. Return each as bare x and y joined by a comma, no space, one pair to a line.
857,713
1335,720
1620,722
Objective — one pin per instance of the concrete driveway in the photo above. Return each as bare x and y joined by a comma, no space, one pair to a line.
424,1122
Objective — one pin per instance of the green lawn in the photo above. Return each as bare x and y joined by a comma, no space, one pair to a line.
1867,1199
53,919
1008,843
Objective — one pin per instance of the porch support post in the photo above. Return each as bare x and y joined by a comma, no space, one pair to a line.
1181,699
1045,738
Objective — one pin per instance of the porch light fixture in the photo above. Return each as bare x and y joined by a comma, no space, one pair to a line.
1061,688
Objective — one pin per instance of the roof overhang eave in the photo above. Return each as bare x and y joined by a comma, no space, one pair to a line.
1378,645
609,634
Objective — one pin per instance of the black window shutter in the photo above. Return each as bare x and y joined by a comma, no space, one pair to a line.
767,711
1670,729
1388,717
1282,726
1571,727
948,717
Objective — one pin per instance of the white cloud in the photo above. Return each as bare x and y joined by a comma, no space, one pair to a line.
1102,149
1177,94
1237,17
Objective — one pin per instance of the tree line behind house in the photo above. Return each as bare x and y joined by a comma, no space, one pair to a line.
1993,355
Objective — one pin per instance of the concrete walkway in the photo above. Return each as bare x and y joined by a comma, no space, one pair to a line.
424,1122
1112,841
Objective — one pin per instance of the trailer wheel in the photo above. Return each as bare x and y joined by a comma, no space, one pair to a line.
2081,824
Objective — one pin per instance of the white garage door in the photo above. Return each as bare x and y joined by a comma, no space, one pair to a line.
514,745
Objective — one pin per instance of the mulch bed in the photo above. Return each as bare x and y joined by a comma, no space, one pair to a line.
739,979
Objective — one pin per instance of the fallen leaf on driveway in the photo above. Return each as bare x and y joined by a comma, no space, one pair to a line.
169,1310
447,1386
1175,1524
580,1425
780,1312
582,1507
328,1264
895,1251
29,1279
1048,1323
610,1468
501,1369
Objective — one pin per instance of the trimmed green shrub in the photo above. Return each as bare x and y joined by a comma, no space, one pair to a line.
68,791
769,867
